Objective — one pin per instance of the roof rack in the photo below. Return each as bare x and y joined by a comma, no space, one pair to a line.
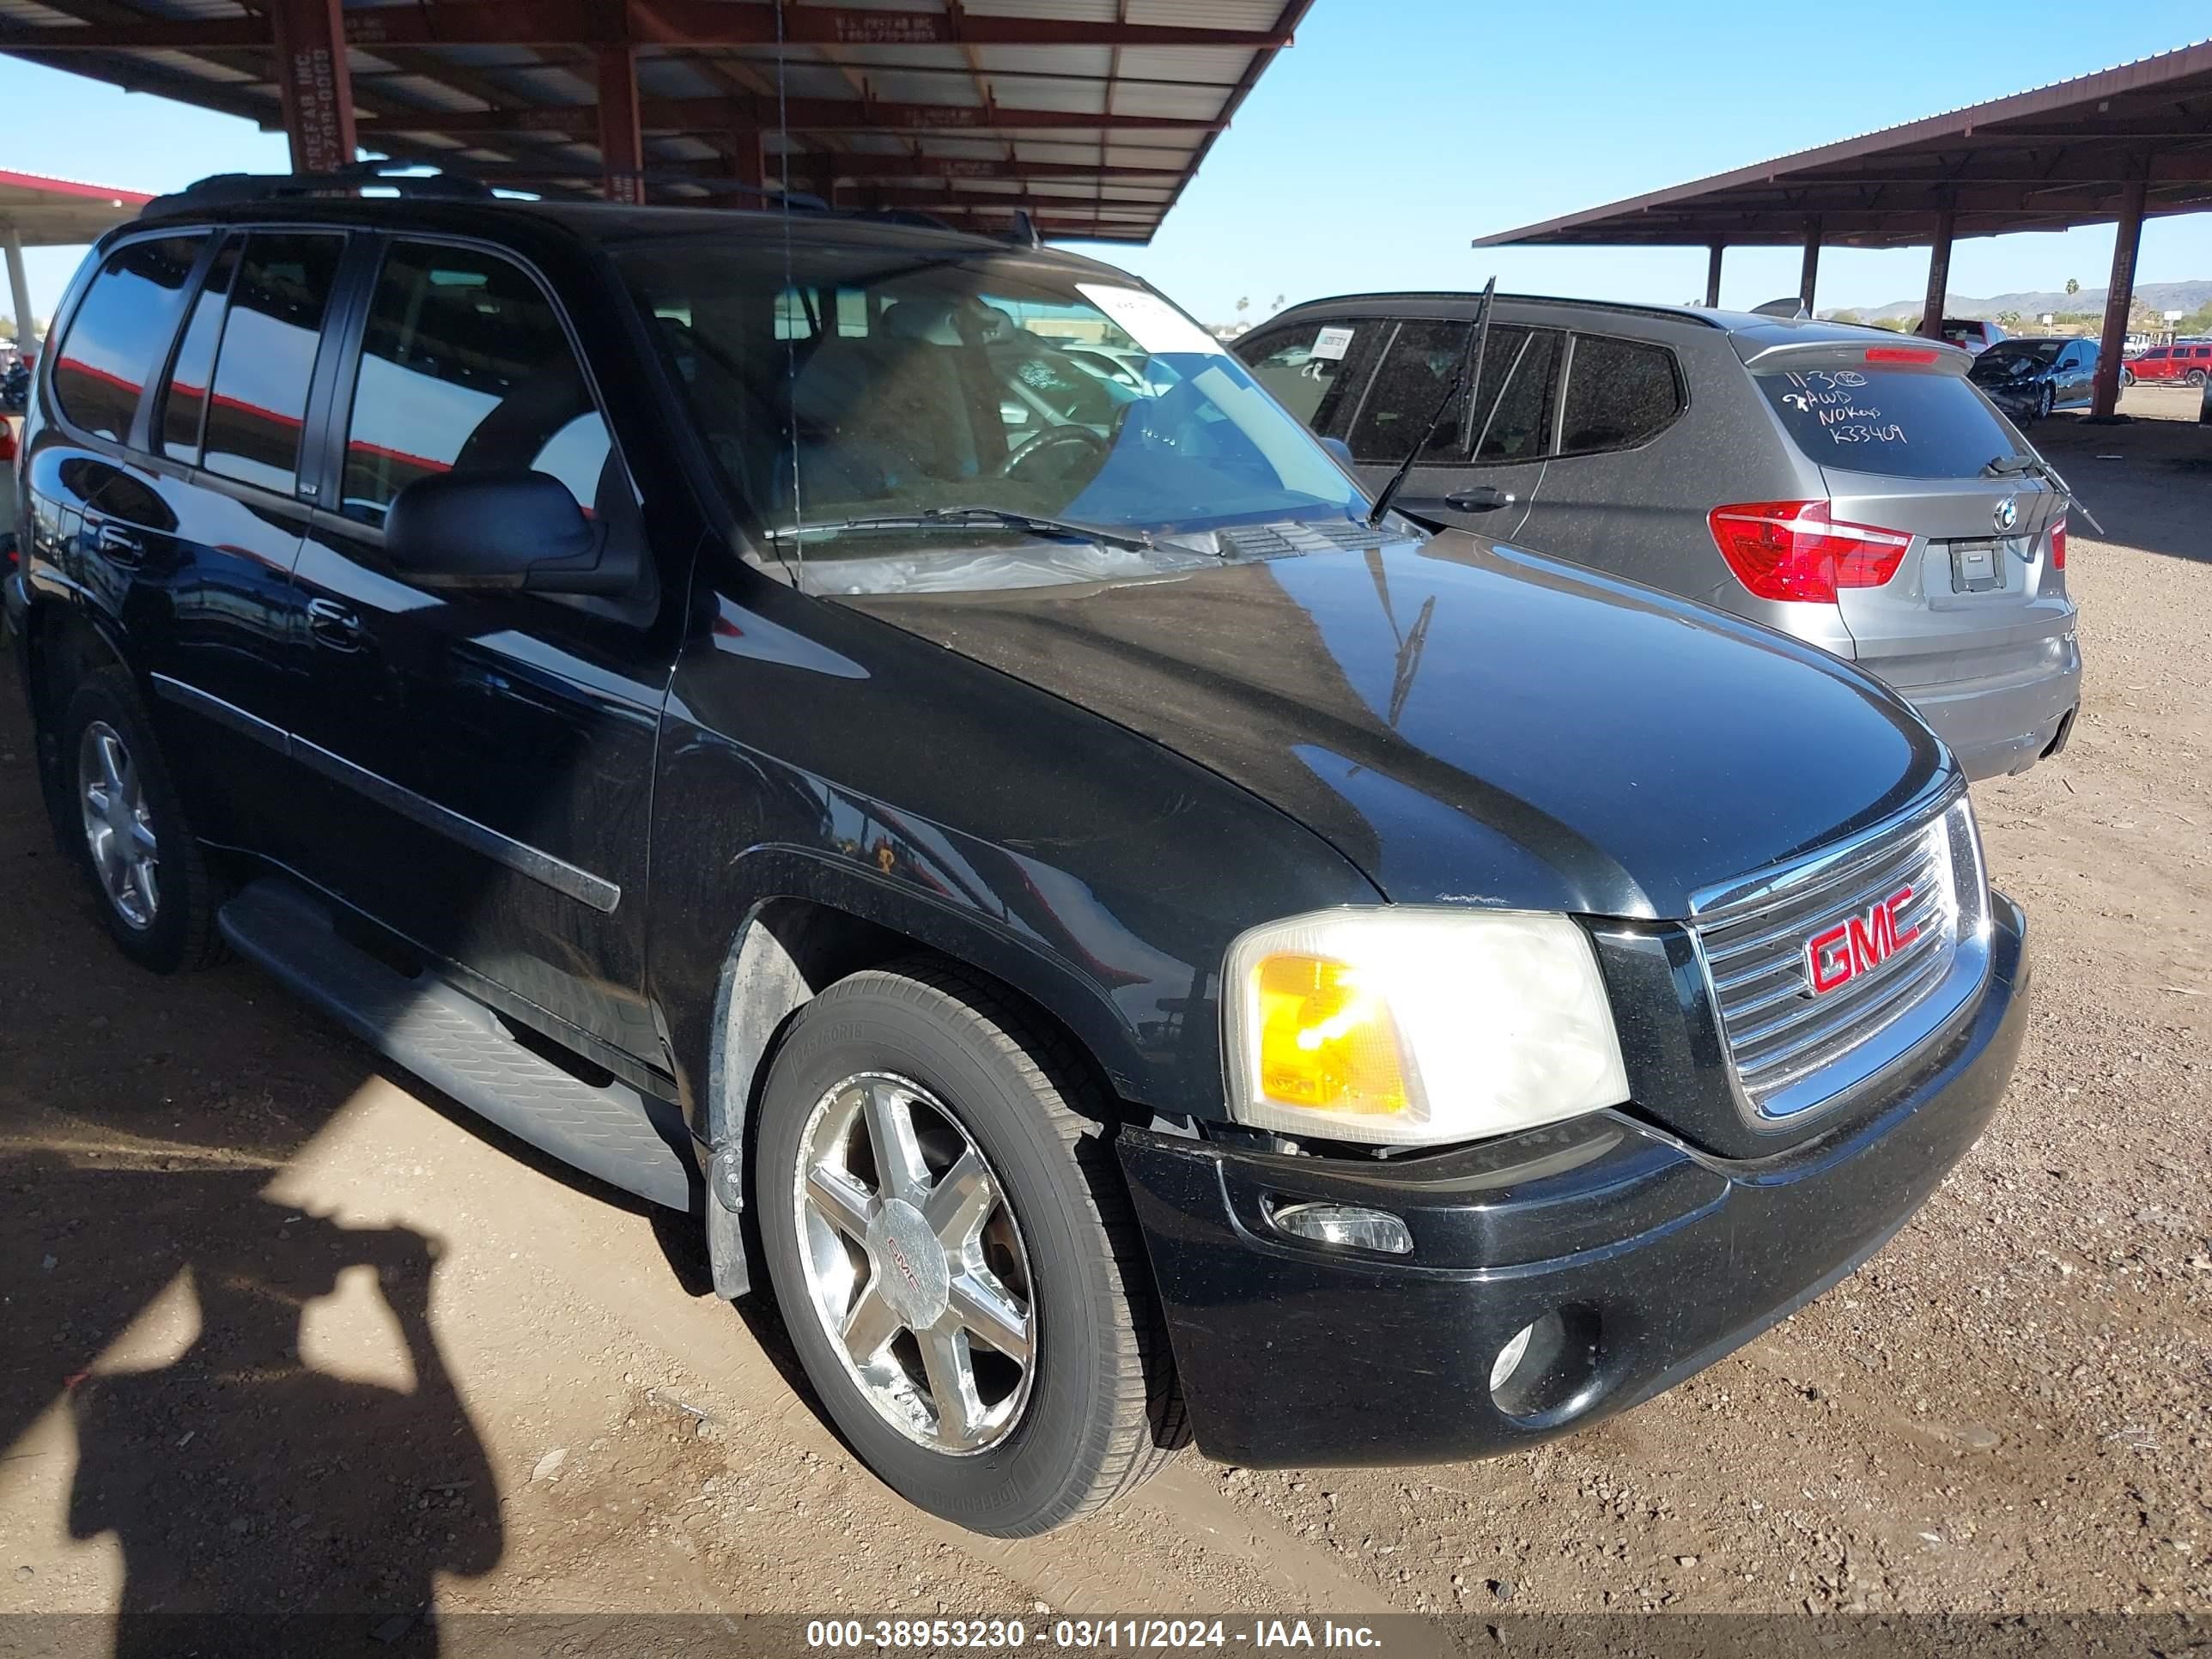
402,178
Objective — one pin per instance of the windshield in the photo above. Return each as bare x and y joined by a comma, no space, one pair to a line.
839,383
2015,358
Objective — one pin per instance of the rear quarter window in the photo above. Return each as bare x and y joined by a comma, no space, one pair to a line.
1898,423
1621,394
121,332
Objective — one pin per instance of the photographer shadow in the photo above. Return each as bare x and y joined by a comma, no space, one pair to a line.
263,1505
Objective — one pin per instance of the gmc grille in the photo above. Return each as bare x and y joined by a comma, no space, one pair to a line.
1792,1047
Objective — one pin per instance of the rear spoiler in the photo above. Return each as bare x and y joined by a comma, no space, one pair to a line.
1910,352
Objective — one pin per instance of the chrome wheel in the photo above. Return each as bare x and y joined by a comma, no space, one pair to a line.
117,830
915,1263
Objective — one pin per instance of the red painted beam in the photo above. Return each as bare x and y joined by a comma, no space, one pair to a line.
865,169
803,115
717,22
622,146
216,35
313,83
651,23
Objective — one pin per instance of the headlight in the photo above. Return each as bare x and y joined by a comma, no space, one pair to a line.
1412,1027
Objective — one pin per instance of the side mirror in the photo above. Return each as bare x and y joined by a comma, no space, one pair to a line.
1341,450
499,529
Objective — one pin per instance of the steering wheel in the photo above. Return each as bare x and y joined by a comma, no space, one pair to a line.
1055,437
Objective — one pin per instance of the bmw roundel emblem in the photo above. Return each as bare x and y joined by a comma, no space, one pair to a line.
2008,513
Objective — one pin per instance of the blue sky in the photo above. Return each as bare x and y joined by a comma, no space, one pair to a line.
1397,131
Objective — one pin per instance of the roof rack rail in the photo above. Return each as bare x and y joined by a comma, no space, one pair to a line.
404,178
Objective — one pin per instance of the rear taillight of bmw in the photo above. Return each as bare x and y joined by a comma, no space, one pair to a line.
1795,550
2058,545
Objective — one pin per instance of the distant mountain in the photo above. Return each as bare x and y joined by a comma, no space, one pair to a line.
2159,296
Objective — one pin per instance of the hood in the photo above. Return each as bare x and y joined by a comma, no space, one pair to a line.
1470,724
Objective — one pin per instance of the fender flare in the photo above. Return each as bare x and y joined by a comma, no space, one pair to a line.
817,920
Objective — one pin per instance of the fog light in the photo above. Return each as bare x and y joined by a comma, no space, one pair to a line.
1345,1224
1509,1357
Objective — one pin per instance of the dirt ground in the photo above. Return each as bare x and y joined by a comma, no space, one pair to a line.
279,1328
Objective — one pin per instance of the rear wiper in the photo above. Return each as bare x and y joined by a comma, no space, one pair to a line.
937,518
2034,466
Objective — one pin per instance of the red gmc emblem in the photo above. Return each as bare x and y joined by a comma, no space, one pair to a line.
1858,945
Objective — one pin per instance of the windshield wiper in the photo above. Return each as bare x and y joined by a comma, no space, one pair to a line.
1477,336
2034,466
937,518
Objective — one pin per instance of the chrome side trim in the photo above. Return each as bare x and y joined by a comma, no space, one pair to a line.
562,877
223,713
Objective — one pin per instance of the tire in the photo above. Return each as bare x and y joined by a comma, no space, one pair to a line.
175,931
2045,400
1096,1410
2195,377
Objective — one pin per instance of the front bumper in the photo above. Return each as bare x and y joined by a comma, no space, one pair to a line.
1660,1259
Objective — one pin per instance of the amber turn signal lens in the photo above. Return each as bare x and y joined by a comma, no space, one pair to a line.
1327,1043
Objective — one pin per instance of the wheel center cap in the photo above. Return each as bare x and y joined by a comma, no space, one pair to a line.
909,1263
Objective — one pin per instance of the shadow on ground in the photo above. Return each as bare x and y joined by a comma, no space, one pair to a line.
236,1478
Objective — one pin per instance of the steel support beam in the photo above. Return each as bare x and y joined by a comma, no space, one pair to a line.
801,115
644,22
1713,272
1938,273
2119,298
748,159
313,83
622,145
1809,273
18,291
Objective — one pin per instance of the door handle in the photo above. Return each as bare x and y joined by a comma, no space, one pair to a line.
120,544
333,625
1479,498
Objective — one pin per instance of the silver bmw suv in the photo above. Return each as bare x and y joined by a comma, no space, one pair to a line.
1844,485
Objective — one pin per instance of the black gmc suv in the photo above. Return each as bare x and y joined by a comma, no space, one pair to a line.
889,741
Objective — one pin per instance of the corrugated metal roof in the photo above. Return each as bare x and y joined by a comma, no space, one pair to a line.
1096,113
2067,152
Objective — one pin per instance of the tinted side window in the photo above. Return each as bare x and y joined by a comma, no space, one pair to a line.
185,400
1619,393
267,359
1520,387
1315,369
1415,370
121,332
466,366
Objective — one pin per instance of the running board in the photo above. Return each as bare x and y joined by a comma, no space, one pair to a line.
458,1045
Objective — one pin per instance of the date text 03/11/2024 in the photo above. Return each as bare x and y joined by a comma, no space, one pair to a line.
1104,1635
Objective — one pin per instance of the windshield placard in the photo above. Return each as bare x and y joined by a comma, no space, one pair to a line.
1150,321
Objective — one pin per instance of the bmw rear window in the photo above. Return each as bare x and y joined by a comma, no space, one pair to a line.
1897,423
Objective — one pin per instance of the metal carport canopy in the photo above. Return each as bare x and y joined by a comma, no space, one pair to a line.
2115,146
41,212
1092,114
